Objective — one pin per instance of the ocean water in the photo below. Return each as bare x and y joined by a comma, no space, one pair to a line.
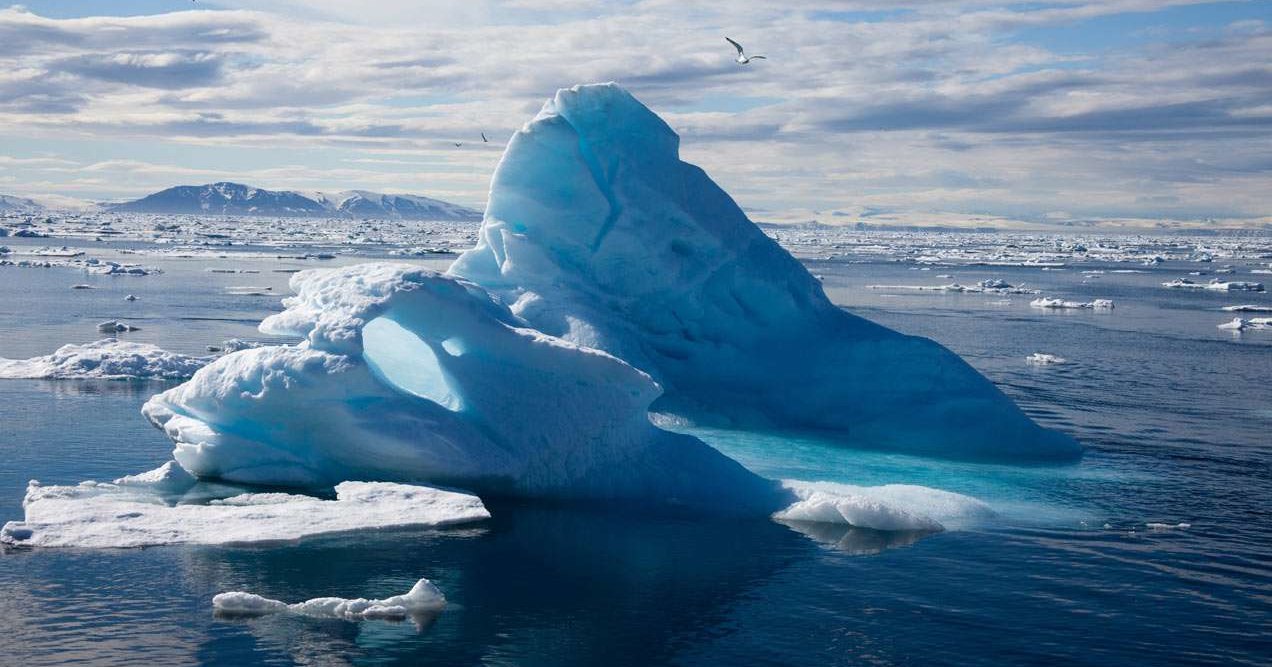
1176,416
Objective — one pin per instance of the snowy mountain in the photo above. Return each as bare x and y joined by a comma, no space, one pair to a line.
237,199
18,204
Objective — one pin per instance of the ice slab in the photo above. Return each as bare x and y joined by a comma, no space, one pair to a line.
423,598
108,359
133,512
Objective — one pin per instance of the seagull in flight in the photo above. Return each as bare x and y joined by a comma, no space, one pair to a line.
743,59
458,144
484,140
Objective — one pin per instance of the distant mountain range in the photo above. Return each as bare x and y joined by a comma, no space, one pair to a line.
226,198
237,199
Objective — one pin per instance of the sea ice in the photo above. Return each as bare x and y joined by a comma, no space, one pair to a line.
1061,304
597,233
1248,308
113,326
134,512
423,598
108,359
1044,359
891,507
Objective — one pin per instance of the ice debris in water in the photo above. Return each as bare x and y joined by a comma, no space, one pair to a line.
114,326
1096,304
1044,359
134,512
106,359
990,286
597,233
1239,324
891,507
1215,284
423,598
1168,526
1248,308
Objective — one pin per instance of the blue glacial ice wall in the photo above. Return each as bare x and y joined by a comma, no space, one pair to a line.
597,233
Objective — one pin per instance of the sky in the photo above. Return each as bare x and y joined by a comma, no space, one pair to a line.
927,112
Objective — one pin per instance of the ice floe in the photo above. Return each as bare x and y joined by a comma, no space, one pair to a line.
108,359
991,286
1215,284
424,598
1248,308
1061,304
891,507
135,512
115,326
1044,359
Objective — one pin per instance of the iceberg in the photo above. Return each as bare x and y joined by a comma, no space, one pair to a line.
134,512
106,359
424,598
891,507
598,234
408,375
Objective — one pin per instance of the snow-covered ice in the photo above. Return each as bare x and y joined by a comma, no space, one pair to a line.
1248,308
115,326
889,507
108,359
135,512
423,598
1061,304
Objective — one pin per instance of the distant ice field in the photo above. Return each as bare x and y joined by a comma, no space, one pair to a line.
1174,414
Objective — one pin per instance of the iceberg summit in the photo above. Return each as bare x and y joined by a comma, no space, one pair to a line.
597,233
611,280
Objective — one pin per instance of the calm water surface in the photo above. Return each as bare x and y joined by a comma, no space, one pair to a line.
1176,414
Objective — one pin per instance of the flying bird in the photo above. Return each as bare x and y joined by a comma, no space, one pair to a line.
743,59
458,144
484,140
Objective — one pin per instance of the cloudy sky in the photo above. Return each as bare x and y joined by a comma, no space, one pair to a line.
925,111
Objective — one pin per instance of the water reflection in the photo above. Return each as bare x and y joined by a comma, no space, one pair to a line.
535,585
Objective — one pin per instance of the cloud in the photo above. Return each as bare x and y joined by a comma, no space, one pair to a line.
933,105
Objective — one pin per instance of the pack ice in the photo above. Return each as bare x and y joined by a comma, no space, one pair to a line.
597,233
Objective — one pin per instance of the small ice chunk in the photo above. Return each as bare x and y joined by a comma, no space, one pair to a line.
130,297
114,326
1248,308
1044,359
423,598
1094,304
82,286
1168,526
889,507
1237,324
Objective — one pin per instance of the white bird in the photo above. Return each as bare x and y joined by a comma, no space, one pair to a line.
743,59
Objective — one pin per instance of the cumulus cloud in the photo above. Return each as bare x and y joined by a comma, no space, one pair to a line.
919,105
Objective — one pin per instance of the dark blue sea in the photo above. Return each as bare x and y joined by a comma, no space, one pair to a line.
1176,416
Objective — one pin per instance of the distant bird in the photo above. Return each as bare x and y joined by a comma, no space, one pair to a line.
484,140
458,144
743,59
